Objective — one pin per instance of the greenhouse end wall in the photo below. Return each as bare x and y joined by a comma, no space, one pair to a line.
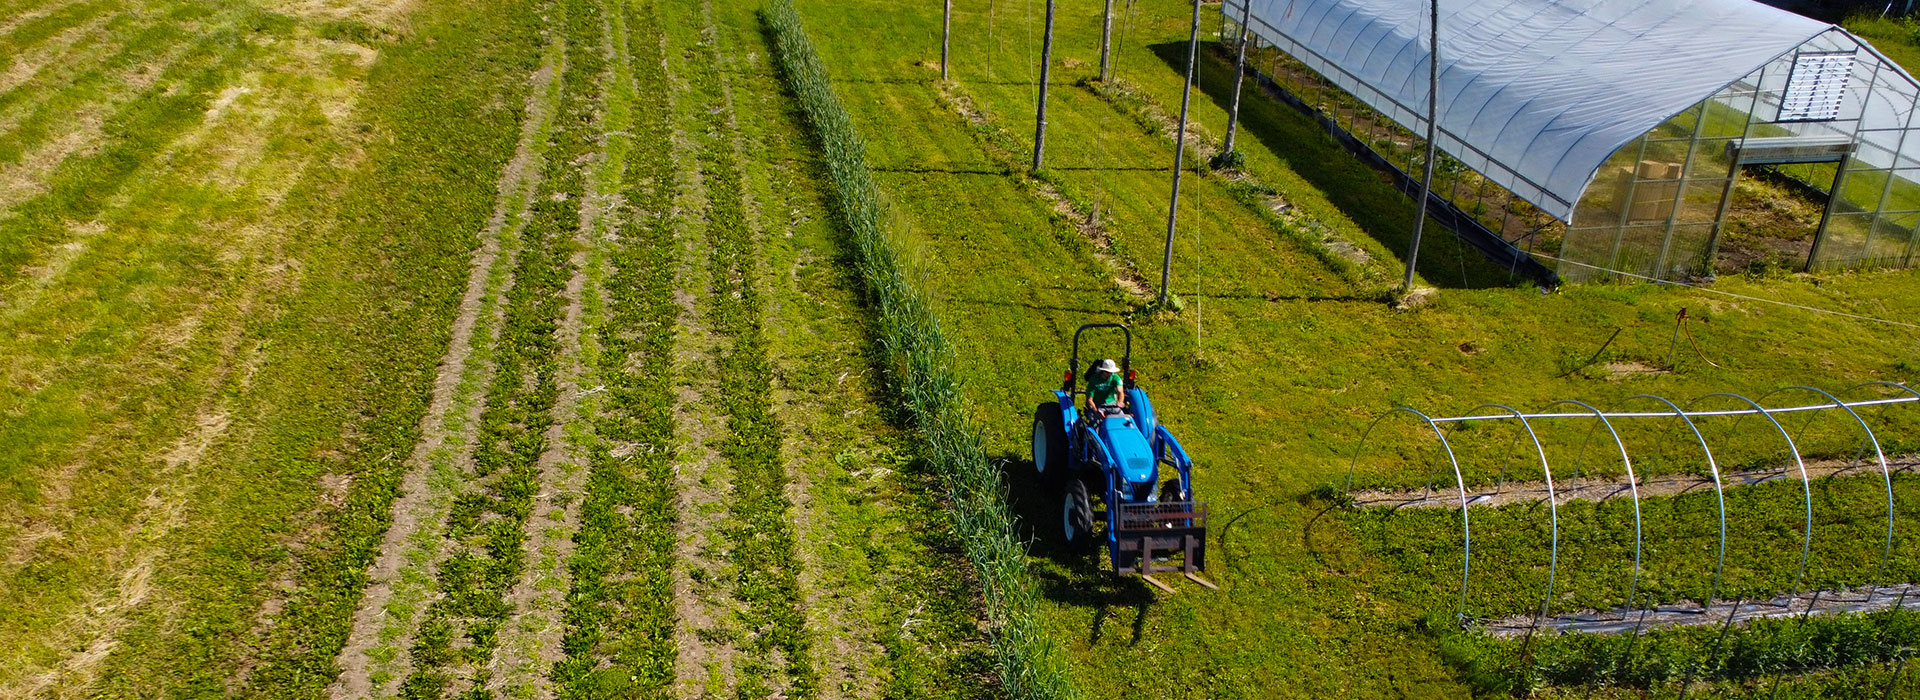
1659,207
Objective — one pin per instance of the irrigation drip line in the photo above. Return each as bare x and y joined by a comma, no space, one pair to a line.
1689,414
1711,290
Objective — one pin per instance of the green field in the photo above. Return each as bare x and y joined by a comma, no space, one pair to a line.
578,348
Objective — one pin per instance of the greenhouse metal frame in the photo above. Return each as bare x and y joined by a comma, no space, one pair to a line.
1625,124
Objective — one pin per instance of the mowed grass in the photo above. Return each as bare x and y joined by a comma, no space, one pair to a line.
223,315
1270,377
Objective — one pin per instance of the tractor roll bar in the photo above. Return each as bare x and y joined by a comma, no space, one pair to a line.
1126,359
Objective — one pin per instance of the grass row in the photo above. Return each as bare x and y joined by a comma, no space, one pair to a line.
487,524
79,188
30,34
620,612
918,365
880,559
758,534
349,358
143,37
1245,187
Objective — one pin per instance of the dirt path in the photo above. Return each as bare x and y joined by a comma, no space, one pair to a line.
1447,495
451,423
1623,621
704,659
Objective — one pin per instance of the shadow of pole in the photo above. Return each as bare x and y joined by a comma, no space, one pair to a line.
1363,194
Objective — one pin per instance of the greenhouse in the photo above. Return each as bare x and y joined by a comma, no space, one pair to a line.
1611,136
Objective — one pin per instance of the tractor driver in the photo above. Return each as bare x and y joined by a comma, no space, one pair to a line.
1104,395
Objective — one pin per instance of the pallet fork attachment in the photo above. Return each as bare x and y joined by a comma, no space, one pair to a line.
1152,538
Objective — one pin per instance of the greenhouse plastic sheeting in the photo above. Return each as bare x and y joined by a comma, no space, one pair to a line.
1534,94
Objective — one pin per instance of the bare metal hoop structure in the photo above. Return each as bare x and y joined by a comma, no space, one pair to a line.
1633,486
1885,472
1466,525
1687,415
1719,494
1806,484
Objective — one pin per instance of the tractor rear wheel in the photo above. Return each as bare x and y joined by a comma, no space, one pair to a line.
1049,440
1076,513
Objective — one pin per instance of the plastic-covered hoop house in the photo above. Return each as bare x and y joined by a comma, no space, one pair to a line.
1629,121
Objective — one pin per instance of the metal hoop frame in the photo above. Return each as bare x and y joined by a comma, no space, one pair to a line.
1686,415
1466,523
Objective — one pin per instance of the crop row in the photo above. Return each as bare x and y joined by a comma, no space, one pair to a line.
487,523
1751,653
918,363
759,533
620,613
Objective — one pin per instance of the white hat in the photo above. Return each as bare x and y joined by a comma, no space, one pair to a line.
1107,366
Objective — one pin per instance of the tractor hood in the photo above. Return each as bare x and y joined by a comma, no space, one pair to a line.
1130,449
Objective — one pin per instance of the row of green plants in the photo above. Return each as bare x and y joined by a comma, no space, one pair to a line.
487,524
620,613
918,364
1754,653
759,532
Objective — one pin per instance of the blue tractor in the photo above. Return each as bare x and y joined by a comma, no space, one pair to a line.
1104,463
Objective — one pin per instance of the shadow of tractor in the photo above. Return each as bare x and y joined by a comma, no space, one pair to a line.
1078,575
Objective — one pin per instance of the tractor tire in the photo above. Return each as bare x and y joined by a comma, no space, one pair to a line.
1049,441
1076,514
1171,492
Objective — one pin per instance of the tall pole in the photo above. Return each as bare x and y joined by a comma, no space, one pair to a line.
1106,43
1046,68
1426,179
1239,75
946,39
1179,153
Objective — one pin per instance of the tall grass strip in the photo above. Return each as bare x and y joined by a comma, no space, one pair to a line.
919,368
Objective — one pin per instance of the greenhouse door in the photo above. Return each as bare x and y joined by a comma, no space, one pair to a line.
1788,150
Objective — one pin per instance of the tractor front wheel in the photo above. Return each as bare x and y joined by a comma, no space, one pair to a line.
1173,491
1049,440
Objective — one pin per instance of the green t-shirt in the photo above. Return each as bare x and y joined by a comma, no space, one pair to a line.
1105,391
